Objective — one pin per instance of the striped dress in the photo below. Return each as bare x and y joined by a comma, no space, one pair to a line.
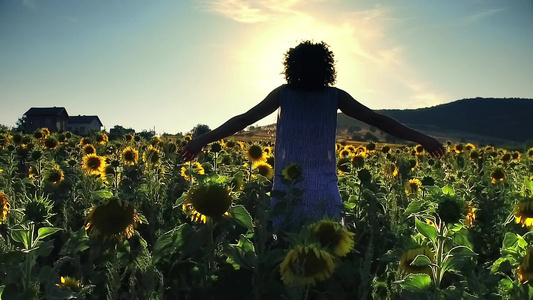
306,135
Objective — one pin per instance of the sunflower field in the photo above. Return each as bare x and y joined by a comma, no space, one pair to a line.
93,218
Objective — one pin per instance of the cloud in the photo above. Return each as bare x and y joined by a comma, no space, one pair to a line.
253,11
30,3
481,15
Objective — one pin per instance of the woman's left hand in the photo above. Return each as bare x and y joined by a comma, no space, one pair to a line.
192,149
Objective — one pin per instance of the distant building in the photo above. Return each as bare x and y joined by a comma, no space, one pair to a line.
53,118
83,125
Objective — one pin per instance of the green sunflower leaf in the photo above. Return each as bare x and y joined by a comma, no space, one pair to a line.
425,229
242,216
416,282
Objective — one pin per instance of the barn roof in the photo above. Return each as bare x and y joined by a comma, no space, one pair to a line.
83,119
46,111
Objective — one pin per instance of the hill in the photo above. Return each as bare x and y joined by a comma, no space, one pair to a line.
494,120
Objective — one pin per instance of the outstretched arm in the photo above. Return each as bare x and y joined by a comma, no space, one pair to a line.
349,106
237,123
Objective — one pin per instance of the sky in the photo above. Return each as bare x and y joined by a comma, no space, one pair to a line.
169,65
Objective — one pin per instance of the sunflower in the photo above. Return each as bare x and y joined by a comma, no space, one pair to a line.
46,132
305,265
506,157
450,209
333,236
88,149
419,150
470,216
390,170
385,149
344,165
208,200
370,146
4,207
50,143
358,160
524,272
187,138
268,151
155,141
338,147
102,138
498,175
55,176
264,169
130,156
85,141
409,256
32,172
152,155
516,156
413,186
69,283
458,148
524,213
93,164
128,137
345,152
215,147
530,153
350,148
255,153
112,220
292,171
189,170
470,146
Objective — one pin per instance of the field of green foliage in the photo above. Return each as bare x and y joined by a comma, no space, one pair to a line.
93,218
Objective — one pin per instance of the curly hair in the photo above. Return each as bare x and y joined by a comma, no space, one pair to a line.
309,66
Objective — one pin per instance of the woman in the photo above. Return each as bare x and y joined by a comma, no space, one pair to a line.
306,129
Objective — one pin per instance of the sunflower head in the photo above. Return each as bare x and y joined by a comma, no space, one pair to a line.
88,149
255,153
292,172
4,207
498,175
458,148
130,156
85,141
152,155
215,147
112,220
371,146
189,170
38,210
306,265
470,215
428,180
333,236
470,147
264,169
385,149
413,186
506,157
70,283
102,138
208,200
516,156
93,164
530,153
390,170
55,176
523,213
450,209
50,143
37,154
128,137
409,256
345,152
419,150
364,175
524,272
344,165
358,160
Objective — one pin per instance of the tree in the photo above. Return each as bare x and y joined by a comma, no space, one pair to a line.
21,124
199,129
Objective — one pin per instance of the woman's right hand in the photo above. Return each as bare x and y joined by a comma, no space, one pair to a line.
433,147
192,149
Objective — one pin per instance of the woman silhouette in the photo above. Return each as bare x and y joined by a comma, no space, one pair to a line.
306,128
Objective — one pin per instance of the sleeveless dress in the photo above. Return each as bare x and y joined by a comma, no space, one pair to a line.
306,135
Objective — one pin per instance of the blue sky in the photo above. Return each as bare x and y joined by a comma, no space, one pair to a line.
174,64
